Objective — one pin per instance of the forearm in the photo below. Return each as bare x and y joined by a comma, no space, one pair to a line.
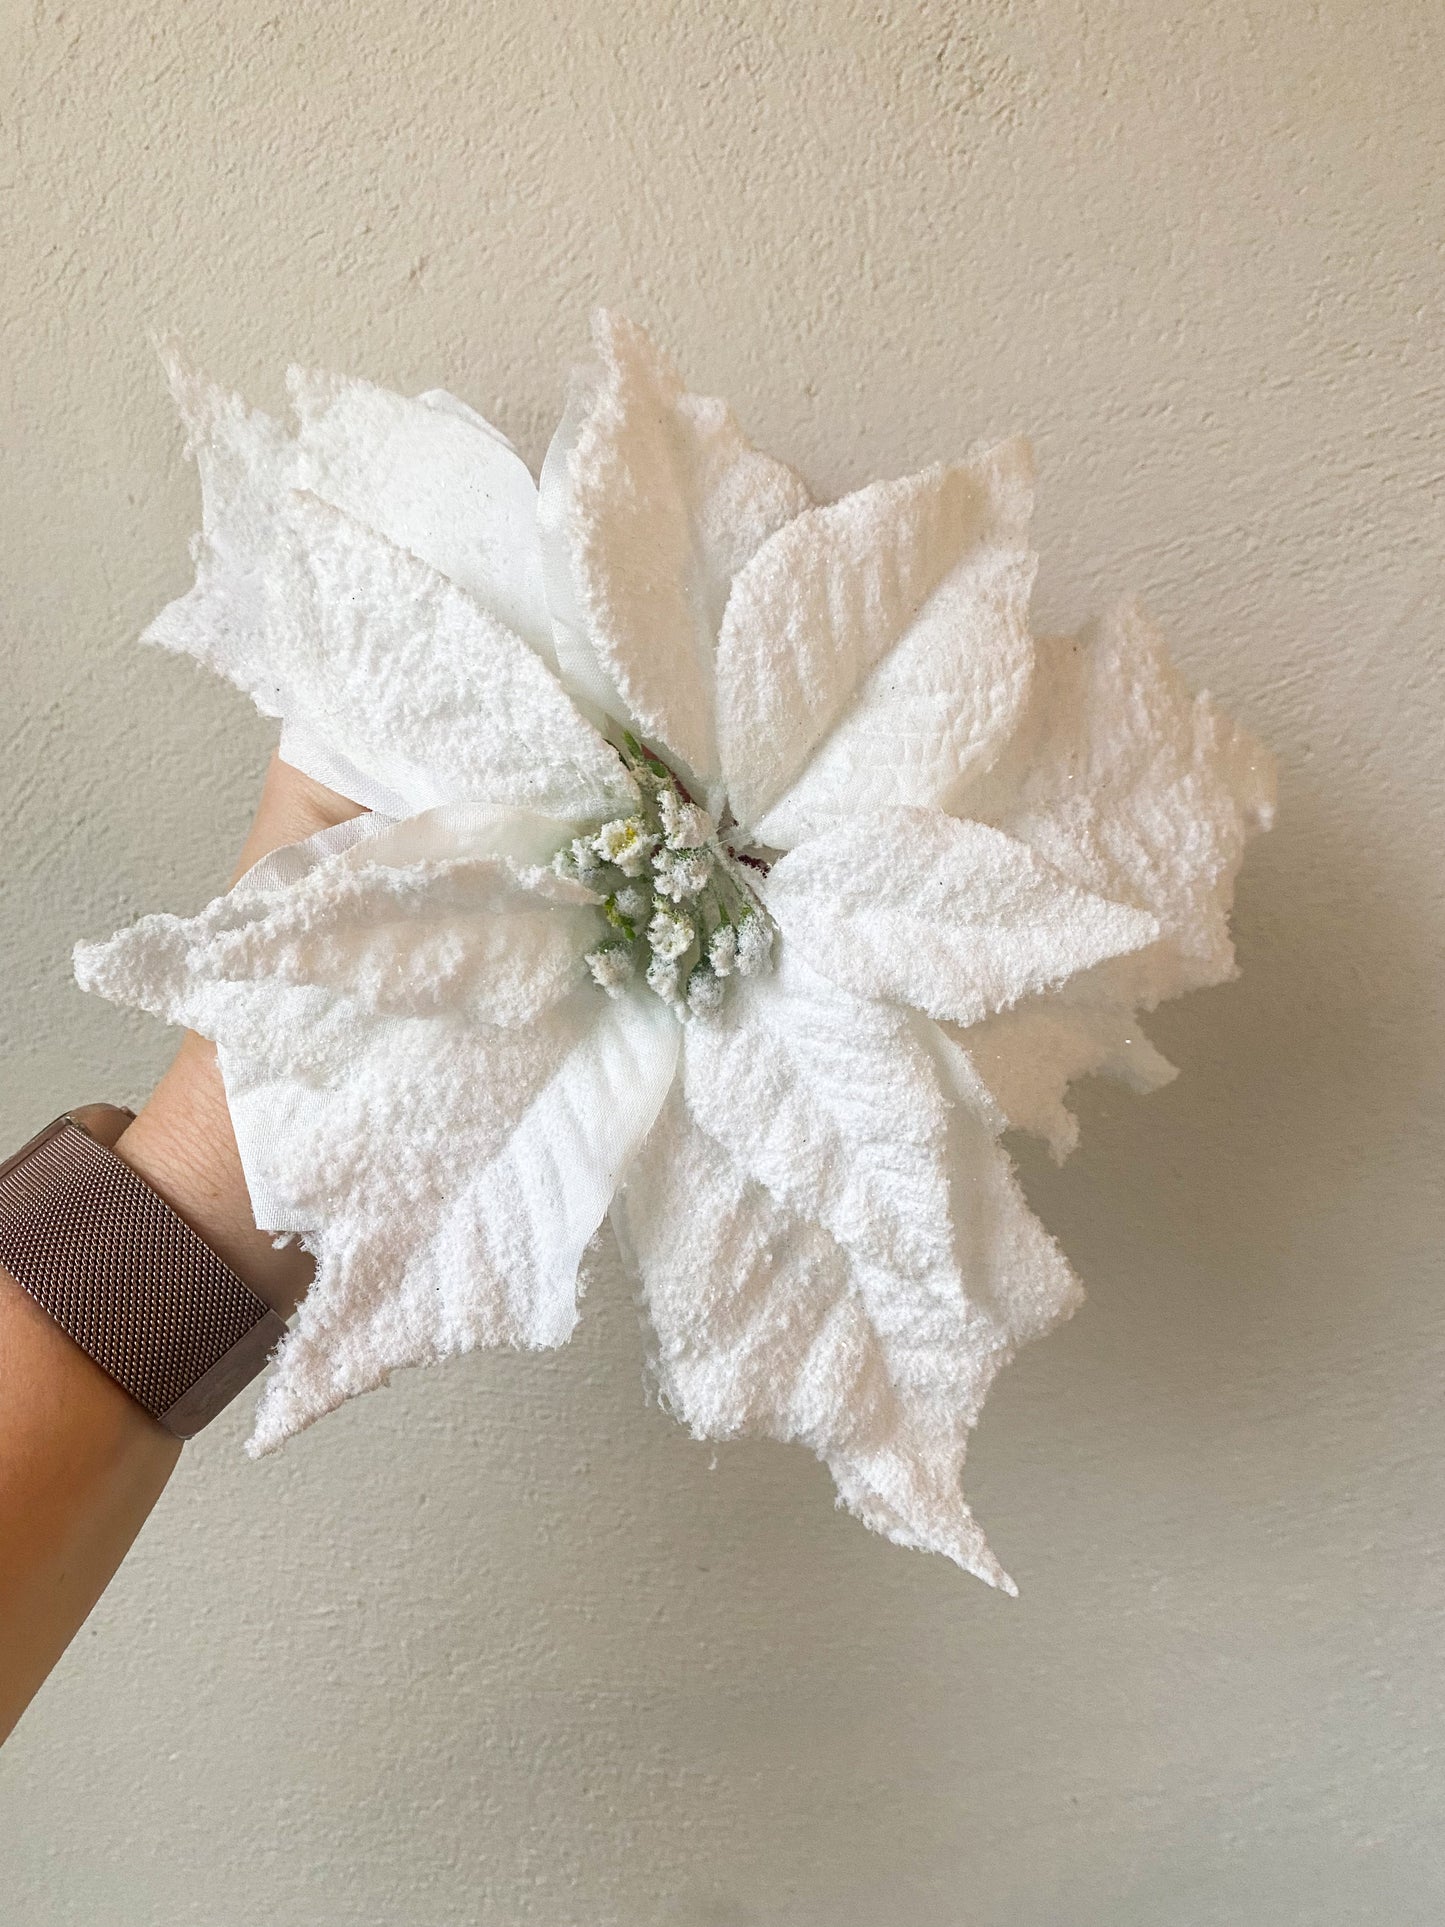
81,1464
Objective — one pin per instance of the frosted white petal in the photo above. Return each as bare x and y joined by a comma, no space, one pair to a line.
891,622
392,683
480,934
945,696
247,468
1130,786
446,1172
1026,1059
916,907
654,500
832,1104
492,1243
765,1325
1137,790
405,675
435,479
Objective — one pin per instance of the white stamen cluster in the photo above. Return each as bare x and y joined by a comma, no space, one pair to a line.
679,900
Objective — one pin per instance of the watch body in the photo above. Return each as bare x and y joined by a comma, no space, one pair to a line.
133,1284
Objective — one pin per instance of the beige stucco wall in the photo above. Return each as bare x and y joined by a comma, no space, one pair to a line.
500,1646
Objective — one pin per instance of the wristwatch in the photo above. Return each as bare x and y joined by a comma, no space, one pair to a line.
132,1283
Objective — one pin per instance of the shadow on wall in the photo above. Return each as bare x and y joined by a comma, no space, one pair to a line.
1224,1194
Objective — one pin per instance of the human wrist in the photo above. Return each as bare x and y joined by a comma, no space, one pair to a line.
183,1144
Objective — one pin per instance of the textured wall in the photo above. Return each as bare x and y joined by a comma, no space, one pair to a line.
500,1646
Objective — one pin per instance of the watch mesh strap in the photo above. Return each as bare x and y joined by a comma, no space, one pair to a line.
129,1280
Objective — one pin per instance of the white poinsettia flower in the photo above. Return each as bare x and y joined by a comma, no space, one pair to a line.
739,868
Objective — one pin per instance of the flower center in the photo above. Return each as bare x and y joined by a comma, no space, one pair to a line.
677,896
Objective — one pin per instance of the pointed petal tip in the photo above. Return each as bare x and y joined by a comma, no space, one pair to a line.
287,1407
85,961
617,340
165,345
601,320
1005,470
1253,767
309,389
609,325
1012,462
100,964
142,966
606,328
970,1552
199,401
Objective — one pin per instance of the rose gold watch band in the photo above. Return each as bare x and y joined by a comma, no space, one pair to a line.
136,1288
